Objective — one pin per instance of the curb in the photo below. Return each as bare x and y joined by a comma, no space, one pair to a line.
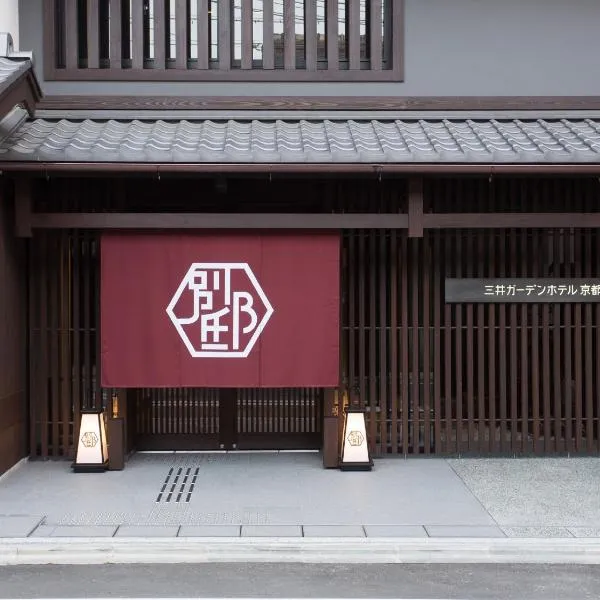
77,551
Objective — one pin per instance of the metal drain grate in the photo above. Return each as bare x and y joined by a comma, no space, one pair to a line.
179,484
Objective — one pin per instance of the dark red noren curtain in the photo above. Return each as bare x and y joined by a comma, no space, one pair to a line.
220,310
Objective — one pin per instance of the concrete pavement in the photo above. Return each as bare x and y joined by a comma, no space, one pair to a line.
275,506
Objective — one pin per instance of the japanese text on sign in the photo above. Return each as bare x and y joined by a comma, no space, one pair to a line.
522,290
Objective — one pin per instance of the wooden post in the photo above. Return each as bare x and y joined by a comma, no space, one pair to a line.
331,420
116,431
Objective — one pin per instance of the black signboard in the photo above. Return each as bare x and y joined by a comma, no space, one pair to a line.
517,289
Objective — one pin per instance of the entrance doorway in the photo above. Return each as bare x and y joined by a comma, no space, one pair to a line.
227,419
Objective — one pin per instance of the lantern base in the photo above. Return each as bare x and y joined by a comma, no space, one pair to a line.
89,467
356,466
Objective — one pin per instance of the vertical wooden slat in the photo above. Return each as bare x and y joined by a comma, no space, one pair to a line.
95,274
534,260
397,41
427,274
458,341
203,34
247,34
413,265
372,337
362,342
513,345
51,54
268,51
578,237
65,339
394,341
501,349
289,35
567,346
181,34
525,349
93,35
448,349
224,36
87,325
437,329
333,53
71,29
115,35
53,330
310,35
353,16
546,371
384,332
470,349
160,41
137,34
375,34
589,364
35,298
45,347
556,347
404,370
352,329
481,349
492,353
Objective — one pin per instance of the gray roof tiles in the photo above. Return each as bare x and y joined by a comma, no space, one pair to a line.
306,141
11,70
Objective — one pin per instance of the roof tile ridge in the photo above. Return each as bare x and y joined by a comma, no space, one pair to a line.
482,139
447,124
506,136
529,136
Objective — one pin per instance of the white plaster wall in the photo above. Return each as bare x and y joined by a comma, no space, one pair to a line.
9,19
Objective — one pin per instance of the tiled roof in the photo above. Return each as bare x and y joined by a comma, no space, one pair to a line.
10,71
306,141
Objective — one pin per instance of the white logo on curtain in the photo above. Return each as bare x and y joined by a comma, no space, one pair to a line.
219,310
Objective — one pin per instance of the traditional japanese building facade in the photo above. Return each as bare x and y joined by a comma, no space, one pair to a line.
222,221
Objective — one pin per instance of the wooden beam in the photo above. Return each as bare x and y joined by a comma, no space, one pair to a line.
23,209
320,103
415,207
315,221
216,221
508,220
24,91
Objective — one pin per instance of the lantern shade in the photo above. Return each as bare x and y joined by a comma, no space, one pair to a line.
92,451
355,449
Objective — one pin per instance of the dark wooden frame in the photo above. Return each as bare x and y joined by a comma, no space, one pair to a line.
25,91
330,103
199,70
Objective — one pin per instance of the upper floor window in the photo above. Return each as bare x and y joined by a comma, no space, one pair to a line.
218,40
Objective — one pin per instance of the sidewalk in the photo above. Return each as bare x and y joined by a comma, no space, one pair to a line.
284,506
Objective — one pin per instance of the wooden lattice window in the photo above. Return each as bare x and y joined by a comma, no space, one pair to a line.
224,40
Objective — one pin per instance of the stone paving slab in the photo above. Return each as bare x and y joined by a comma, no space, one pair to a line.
538,532
400,531
333,531
148,531
463,531
245,489
549,491
17,525
74,531
585,532
209,531
271,531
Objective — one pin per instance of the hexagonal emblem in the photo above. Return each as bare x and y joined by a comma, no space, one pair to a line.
355,438
89,439
219,310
